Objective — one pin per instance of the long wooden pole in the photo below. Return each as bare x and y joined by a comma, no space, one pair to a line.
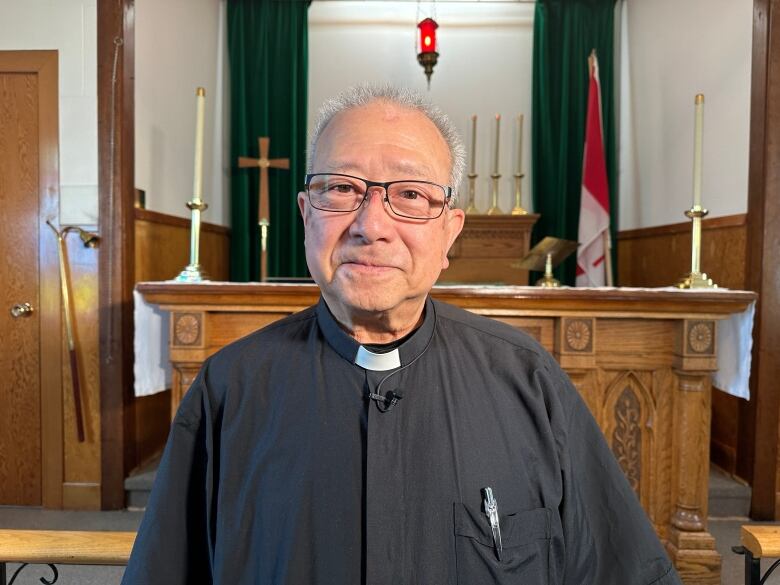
74,364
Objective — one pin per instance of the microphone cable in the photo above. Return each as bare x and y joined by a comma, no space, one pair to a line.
385,402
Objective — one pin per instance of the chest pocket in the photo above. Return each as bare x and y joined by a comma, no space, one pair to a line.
526,547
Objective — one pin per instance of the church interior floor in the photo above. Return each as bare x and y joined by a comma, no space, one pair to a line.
726,497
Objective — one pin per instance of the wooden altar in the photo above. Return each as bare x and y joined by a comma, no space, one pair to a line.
641,359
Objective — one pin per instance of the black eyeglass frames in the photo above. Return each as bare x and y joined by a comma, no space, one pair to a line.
411,198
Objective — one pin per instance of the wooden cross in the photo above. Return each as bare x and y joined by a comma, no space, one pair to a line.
263,208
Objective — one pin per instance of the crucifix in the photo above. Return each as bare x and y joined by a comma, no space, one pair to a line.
263,208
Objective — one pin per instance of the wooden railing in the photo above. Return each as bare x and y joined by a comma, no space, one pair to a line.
66,547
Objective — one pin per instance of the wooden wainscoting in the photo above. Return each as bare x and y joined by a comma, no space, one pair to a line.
162,249
658,256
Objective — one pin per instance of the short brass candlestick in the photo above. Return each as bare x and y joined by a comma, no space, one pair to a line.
518,208
696,278
494,208
194,272
471,206
548,280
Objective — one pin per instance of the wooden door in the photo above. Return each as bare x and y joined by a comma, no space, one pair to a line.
30,379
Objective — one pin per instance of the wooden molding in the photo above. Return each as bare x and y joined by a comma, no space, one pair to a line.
763,271
737,220
175,221
115,50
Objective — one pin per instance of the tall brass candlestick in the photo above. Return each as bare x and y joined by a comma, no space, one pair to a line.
194,272
696,278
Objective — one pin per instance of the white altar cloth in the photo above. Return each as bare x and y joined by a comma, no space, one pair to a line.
153,369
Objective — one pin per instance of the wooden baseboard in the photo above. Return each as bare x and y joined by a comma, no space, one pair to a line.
81,496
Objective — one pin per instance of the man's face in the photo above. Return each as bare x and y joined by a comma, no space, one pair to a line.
371,261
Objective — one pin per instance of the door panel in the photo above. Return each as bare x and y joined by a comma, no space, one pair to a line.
20,392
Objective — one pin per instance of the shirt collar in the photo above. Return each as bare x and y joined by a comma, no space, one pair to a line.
348,348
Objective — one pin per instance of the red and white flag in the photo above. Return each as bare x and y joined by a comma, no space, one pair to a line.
592,261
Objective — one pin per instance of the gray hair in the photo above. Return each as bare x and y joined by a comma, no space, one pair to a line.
364,94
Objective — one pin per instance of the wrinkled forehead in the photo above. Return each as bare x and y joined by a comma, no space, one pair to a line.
383,123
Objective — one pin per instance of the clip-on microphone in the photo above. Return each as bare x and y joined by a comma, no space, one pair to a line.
385,403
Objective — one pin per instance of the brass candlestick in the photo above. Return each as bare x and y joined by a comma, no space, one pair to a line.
518,208
471,206
194,272
548,280
695,278
494,208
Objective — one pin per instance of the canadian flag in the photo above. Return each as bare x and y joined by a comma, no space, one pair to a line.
593,235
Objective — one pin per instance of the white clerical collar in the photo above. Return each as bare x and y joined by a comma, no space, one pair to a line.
379,362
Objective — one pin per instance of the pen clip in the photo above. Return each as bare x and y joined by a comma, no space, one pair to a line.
491,511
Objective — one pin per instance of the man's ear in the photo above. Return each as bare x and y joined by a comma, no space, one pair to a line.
453,225
303,205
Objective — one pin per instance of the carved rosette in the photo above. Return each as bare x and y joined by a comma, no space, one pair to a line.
701,337
187,329
578,335
627,437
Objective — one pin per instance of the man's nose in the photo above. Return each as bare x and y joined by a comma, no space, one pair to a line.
373,219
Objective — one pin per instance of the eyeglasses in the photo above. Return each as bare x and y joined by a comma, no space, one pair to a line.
345,193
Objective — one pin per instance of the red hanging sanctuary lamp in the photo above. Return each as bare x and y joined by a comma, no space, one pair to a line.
427,55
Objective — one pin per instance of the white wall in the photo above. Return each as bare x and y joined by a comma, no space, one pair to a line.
70,27
180,45
678,49
484,68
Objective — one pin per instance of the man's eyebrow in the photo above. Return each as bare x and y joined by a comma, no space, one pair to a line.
405,169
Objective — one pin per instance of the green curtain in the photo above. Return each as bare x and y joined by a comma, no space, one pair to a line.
565,31
268,50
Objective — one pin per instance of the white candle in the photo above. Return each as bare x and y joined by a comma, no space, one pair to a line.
495,153
697,142
473,171
197,185
519,144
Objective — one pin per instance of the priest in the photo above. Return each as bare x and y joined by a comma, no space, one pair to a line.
382,437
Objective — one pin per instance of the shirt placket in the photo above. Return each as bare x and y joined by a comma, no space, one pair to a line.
385,517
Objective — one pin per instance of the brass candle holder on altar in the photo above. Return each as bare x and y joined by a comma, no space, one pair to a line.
471,206
194,272
494,208
518,208
696,278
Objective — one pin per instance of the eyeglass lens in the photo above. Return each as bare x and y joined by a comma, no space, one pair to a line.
415,199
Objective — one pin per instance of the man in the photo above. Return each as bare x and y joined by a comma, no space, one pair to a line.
382,437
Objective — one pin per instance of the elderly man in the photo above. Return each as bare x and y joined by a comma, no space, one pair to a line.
382,437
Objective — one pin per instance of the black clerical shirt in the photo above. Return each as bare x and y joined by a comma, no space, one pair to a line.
279,470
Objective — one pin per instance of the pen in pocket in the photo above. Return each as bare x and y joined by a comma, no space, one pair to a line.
491,511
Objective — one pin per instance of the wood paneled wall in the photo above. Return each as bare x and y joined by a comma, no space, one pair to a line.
659,256
162,249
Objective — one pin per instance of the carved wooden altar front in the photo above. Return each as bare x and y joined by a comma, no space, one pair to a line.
642,360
